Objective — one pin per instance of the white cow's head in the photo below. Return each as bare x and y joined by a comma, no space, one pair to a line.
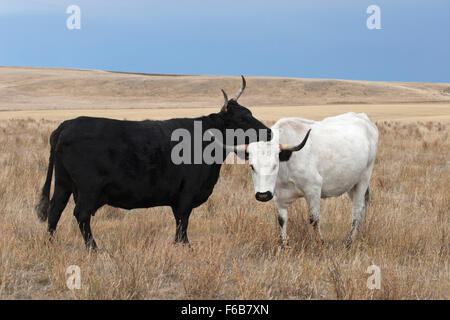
264,159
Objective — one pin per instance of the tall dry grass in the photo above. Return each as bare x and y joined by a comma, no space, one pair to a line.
235,251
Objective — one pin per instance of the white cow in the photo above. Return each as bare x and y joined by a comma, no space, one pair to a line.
338,157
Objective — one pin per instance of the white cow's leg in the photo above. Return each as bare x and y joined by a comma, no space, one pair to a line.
359,207
282,213
313,200
283,199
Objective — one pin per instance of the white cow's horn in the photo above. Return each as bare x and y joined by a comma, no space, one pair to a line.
284,147
241,147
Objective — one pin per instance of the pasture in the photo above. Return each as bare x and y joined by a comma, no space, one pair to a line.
235,251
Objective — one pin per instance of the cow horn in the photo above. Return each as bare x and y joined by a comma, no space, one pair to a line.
284,147
241,90
242,147
225,104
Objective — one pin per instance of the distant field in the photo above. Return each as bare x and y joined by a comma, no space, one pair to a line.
23,88
384,112
58,94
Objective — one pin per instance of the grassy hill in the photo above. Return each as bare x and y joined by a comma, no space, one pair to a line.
27,88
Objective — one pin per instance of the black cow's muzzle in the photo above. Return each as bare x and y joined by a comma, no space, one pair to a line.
264,196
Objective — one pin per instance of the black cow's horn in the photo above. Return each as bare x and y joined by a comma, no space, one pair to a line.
225,104
284,147
239,93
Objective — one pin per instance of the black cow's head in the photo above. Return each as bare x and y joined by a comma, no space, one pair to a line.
239,117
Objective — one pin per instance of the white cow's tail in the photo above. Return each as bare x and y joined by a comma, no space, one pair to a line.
367,196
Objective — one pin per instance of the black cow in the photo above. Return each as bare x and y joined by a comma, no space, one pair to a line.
127,164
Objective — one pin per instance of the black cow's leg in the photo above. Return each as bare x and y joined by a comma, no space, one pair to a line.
181,214
84,223
181,235
182,222
57,205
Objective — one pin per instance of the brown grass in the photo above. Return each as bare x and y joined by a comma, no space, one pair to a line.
235,251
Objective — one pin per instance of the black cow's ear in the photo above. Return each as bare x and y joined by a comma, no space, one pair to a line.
284,155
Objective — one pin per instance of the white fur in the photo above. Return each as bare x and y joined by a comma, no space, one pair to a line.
337,158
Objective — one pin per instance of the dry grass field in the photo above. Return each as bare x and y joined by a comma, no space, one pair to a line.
235,251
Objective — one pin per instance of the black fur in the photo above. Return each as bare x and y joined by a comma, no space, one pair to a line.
127,164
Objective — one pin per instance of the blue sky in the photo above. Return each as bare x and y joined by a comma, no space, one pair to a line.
307,38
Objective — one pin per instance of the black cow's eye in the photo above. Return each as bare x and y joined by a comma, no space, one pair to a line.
253,169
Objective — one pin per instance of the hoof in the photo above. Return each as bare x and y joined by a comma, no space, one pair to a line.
49,240
92,246
284,244
319,240
348,243
321,244
182,244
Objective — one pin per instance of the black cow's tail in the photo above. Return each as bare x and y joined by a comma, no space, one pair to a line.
41,208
